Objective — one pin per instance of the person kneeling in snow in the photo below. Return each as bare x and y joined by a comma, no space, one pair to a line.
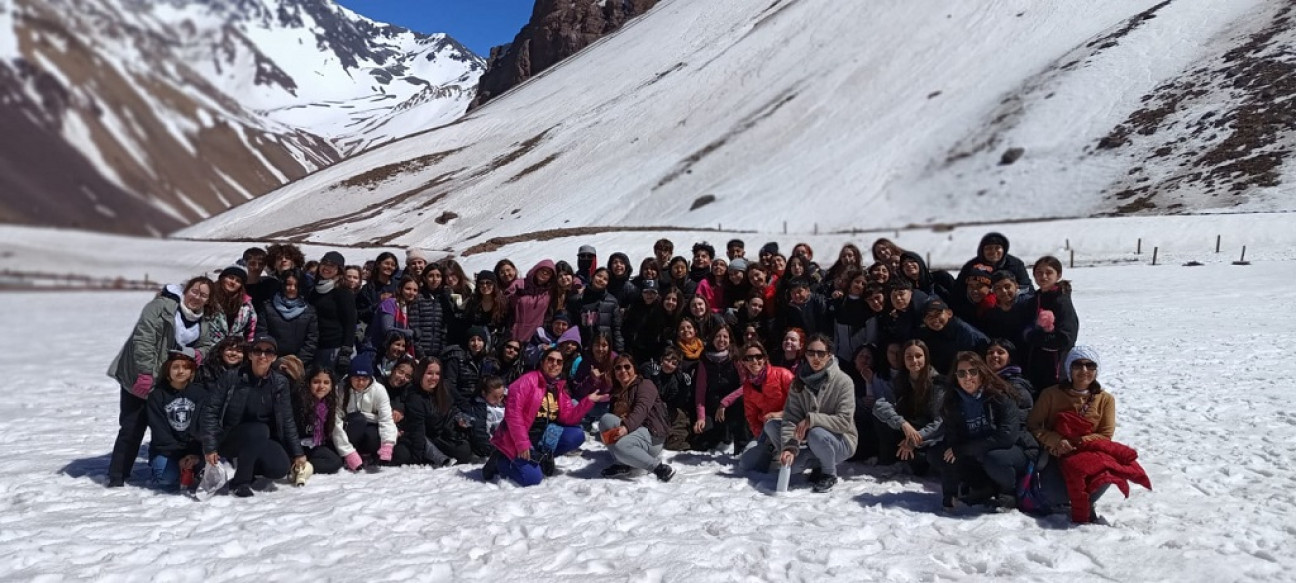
249,418
173,421
635,430
540,422
434,432
364,426
316,410
820,414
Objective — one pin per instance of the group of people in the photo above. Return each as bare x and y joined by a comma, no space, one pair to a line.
292,367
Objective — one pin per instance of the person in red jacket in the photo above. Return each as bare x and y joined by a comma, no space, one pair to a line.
541,422
764,391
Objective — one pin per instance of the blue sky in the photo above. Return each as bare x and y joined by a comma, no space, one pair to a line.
478,24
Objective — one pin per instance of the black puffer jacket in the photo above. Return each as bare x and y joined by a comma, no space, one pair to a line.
298,336
424,422
462,372
229,398
940,283
429,318
644,330
600,312
1008,263
622,287
336,318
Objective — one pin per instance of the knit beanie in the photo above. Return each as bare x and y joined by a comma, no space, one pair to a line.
1079,353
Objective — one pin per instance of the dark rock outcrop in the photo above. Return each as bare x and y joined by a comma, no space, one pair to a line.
558,29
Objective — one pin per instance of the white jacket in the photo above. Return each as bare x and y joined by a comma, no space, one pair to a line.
375,406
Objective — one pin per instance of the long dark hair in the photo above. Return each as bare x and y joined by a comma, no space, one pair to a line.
450,266
992,384
373,274
913,396
224,302
441,393
499,305
306,400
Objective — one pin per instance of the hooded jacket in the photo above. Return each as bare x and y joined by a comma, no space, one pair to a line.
374,405
622,288
173,419
297,334
940,283
829,404
153,336
1008,263
463,371
531,303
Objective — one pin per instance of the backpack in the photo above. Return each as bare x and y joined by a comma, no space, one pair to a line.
1030,495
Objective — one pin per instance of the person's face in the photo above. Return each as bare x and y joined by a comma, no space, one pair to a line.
366,272
701,259
937,319
663,255
196,296
511,351
721,340
817,355
876,301
495,396
757,279
387,267
754,360
232,355
565,280
409,291
857,286
544,276
850,257
431,377
910,268
755,306
864,361
697,307
669,364
476,345
803,251
600,280
977,291
686,331
798,269
882,252
671,302
180,372
290,290
719,268
997,357
791,343
750,335
880,273
780,263
351,279
1046,277
231,284
552,365
262,355
992,253
649,273
416,266
736,277
678,270
486,286
396,348
624,372
601,349
800,295
401,374
508,273
321,385
735,252
914,359
618,267
329,270
969,379
900,298
360,383
569,348
255,265
452,279
560,326
895,356
1083,373
650,296
432,278
1005,292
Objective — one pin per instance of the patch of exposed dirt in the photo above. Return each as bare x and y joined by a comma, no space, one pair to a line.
496,243
1112,39
373,178
532,168
368,212
685,166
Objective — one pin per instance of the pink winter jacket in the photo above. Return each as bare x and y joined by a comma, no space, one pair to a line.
522,405
530,304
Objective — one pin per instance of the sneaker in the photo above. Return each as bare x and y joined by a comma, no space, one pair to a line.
116,483
824,485
664,472
243,491
617,471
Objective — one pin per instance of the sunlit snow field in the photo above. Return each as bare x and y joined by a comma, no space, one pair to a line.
1199,359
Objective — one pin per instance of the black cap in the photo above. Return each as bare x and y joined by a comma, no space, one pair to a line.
487,276
936,304
335,258
266,339
649,285
736,243
770,248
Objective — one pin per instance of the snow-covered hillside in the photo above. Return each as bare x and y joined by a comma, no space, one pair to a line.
1201,371
843,115
142,117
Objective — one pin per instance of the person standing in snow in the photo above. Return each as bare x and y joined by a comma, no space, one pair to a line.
381,284
335,313
364,425
249,418
429,312
291,319
174,320
635,429
992,256
599,311
173,406
316,408
979,435
233,313
1056,324
530,304
506,274
541,422
819,416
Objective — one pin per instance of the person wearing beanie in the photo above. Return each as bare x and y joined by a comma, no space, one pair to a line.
248,417
767,253
364,427
735,249
586,262
465,366
415,260
173,404
234,314
335,313
975,298
992,255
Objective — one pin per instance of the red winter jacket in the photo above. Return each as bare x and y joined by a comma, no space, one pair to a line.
1095,463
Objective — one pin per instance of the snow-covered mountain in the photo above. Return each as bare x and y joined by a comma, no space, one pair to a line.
838,116
146,115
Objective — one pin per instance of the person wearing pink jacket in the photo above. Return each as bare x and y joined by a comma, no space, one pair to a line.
541,422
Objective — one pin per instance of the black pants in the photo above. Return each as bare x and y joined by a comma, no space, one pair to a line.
998,469
733,429
362,434
324,459
257,454
134,422
866,427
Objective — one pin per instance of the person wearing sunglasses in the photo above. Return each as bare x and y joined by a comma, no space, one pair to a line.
541,422
764,392
635,428
1081,393
979,434
249,418
819,416
511,362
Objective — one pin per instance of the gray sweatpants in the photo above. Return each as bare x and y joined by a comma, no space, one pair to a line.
823,448
636,449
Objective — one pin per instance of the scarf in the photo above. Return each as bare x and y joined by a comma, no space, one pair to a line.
813,380
691,350
187,330
321,417
718,357
324,286
757,382
190,315
289,309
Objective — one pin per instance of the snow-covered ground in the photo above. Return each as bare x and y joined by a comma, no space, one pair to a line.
1199,360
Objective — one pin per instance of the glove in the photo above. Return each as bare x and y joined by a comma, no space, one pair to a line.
197,358
1045,320
385,452
352,460
143,384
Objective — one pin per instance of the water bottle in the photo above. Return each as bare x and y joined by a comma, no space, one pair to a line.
785,474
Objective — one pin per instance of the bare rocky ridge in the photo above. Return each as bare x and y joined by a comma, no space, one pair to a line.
558,29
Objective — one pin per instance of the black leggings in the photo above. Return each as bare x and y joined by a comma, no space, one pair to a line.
362,434
256,453
324,459
997,468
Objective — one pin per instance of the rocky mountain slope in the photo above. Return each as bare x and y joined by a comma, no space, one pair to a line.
838,116
142,117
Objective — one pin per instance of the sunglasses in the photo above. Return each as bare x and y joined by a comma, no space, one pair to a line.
512,347
964,373
754,357
1089,366
554,360
817,353
621,367
263,352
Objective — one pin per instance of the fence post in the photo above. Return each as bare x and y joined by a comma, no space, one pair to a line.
816,228
1072,265
1243,258
1217,243
929,259
1068,244
1154,254
1139,251
784,227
